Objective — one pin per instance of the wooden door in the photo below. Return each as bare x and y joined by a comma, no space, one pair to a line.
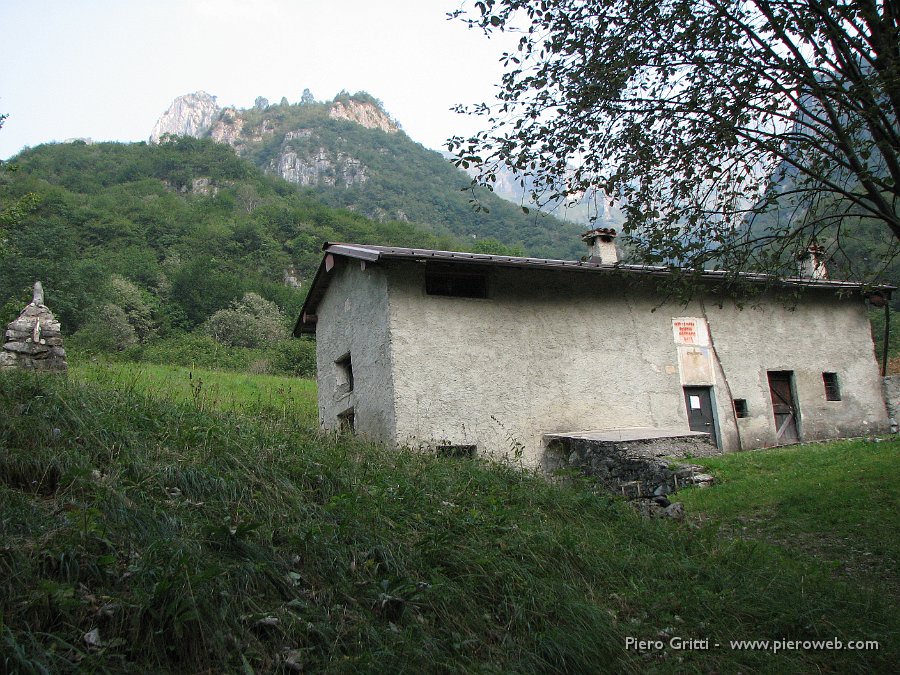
781,385
700,411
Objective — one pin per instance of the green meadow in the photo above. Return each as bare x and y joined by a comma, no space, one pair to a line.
175,520
287,399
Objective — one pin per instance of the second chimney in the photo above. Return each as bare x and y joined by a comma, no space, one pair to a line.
601,243
812,265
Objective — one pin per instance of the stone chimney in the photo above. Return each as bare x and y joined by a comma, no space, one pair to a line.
601,243
812,263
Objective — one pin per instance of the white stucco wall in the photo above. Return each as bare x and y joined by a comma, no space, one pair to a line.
822,333
551,351
353,318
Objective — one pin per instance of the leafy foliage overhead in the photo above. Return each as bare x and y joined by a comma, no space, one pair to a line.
702,115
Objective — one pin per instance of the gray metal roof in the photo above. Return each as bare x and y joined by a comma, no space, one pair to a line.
374,254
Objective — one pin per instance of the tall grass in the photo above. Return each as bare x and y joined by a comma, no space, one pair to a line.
148,533
261,396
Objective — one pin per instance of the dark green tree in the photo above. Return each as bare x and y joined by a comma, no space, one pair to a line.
13,211
732,132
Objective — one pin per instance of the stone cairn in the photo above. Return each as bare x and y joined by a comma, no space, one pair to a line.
34,341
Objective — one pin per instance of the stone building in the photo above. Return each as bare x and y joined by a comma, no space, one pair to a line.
497,354
33,341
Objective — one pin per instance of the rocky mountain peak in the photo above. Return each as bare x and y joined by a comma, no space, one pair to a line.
189,115
363,113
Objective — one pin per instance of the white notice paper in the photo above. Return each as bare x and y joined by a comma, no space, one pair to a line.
695,403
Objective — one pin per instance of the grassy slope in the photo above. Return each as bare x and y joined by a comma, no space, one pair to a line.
269,396
182,533
837,502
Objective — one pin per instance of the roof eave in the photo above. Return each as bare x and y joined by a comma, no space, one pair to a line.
313,296
306,322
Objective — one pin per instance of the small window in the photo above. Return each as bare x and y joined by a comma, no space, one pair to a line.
740,408
832,389
344,375
458,451
456,285
347,422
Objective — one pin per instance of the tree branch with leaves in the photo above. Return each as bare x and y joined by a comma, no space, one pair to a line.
732,133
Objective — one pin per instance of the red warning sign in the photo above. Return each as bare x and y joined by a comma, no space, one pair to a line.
689,331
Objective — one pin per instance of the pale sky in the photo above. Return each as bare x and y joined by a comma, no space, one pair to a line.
107,69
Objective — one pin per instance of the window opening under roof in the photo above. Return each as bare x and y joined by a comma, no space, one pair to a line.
454,284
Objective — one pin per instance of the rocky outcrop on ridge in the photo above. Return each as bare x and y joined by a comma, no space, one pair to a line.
350,153
231,128
199,115
363,113
189,115
320,168
299,160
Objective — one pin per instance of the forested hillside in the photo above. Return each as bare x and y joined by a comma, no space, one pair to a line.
349,153
171,233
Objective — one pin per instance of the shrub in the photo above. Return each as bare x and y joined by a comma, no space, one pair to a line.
290,357
107,330
131,299
193,350
251,321
294,357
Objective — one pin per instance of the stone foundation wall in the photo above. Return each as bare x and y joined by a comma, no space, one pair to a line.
636,468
